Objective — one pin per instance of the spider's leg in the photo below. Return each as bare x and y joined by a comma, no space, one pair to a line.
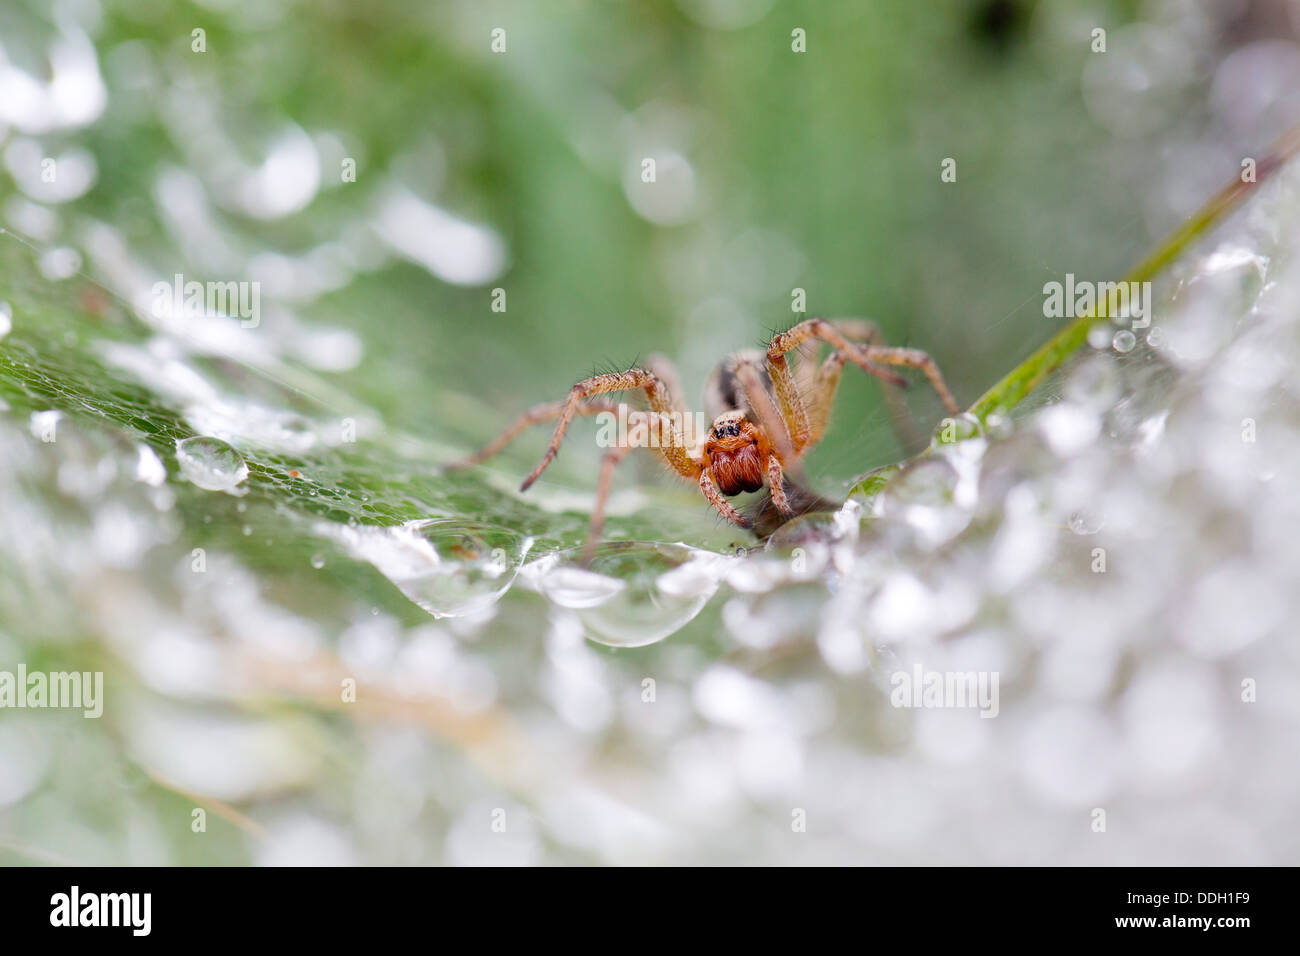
663,369
865,357
776,485
820,394
537,415
672,447
856,330
723,506
905,428
761,406
819,386
607,466
915,358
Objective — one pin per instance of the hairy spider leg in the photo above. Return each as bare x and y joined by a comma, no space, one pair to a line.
608,464
865,357
674,452
537,415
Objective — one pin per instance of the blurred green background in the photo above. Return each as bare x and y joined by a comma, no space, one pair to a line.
781,170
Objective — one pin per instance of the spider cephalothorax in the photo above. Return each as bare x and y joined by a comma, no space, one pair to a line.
766,416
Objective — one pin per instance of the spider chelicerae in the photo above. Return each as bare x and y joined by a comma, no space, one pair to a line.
765,415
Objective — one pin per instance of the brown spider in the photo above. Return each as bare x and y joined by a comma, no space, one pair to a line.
765,417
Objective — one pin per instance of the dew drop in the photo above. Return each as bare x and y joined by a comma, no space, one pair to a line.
1099,335
575,588
1084,521
447,566
633,593
211,464
6,319
1124,341
318,561
955,429
60,263
149,467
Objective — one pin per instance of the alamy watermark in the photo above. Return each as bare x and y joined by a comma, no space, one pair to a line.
635,428
1074,298
194,299
129,910
945,690
61,690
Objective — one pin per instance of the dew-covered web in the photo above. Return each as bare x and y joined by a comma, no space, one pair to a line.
984,555
345,655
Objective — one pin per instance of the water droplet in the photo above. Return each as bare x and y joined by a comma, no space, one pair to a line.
1099,335
633,593
211,464
1124,341
149,467
873,482
6,319
954,429
318,561
1068,428
758,573
811,531
447,566
44,425
60,263
1084,521
575,588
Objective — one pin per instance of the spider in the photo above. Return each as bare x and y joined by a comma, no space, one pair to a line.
765,415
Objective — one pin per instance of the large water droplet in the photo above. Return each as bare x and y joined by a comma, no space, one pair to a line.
1124,341
632,593
447,566
211,464
575,587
